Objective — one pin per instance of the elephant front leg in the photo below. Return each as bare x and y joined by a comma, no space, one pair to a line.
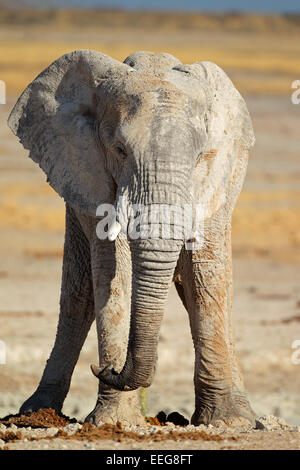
111,267
75,318
207,285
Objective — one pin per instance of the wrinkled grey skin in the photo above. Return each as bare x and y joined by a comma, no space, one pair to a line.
156,131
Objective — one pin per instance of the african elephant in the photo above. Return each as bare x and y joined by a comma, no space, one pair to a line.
155,131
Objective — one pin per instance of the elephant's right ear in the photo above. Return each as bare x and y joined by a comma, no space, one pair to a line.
55,119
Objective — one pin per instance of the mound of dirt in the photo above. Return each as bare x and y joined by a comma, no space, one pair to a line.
9,436
46,418
90,432
154,421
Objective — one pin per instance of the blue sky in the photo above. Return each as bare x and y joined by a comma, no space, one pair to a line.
185,5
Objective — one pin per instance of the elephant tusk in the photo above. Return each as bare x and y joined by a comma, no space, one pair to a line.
114,231
102,372
195,241
195,237
96,370
105,376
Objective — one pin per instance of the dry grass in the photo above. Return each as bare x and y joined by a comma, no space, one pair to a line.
21,61
29,207
267,224
151,20
269,233
260,52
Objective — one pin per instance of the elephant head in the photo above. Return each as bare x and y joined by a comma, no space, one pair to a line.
103,131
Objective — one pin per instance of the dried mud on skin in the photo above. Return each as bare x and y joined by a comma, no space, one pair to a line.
49,418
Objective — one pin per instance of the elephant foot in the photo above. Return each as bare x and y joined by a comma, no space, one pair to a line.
113,407
232,412
44,397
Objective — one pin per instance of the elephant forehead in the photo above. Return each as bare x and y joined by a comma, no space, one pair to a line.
143,94
122,87
157,106
143,82
155,63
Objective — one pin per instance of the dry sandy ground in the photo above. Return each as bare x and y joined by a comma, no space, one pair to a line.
266,310
156,438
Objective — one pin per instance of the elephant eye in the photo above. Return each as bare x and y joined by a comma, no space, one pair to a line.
121,151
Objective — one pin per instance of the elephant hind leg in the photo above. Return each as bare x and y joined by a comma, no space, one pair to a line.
75,318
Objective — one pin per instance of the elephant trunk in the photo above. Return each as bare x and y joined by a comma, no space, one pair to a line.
153,266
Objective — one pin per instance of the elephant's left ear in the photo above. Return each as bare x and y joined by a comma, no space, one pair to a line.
228,114
222,166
